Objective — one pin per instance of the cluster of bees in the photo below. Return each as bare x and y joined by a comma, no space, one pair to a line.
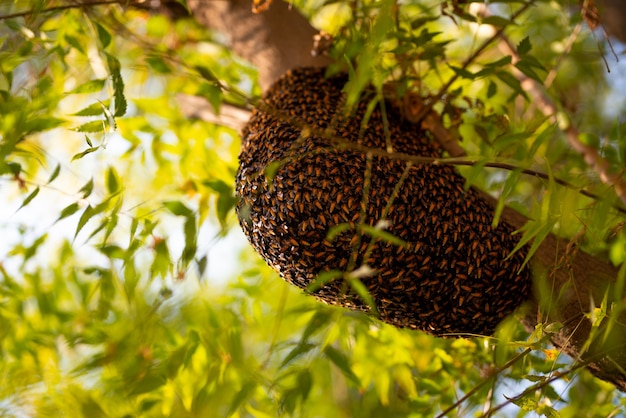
325,204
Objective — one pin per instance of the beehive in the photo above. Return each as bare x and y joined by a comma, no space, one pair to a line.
454,273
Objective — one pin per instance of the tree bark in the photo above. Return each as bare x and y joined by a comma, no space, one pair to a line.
568,282
274,40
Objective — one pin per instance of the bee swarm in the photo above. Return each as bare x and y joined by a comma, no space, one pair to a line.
453,275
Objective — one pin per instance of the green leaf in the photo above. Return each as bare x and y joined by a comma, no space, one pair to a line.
113,251
213,93
421,21
492,89
178,208
10,167
68,211
502,62
202,265
158,64
103,35
84,218
305,383
537,231
225,203
337,230
271,169
315,324
207,74
162,262
343,364
110,226
509,186
543,138
87,189
527,70
512,82
113,182
323,278
91,86
91,127
41,124
461,72
553,327
361,290
158,25
526,402
510,140
497,21
548,411
218,185
241,396
54,174
94,109
430,386
190,249
297,351
382,235
29,198
524,46
118,85
103,224
74,42
85,152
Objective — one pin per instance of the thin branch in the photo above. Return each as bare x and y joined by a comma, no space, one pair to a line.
568,48
494,373
549,109
341,143
535,387
60,8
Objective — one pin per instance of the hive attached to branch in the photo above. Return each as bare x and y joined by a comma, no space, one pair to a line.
421,245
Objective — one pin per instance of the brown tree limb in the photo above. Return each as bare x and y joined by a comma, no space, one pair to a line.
274,41
195,107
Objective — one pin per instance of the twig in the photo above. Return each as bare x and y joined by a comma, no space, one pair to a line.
343,144
60,8
535,387
568,48
494,373
549,109
336,142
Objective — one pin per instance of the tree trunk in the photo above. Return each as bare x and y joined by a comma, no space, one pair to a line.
567,281
274,41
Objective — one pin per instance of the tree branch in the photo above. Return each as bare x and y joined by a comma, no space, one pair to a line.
196,107
274,41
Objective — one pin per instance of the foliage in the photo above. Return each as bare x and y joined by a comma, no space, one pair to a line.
110,304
